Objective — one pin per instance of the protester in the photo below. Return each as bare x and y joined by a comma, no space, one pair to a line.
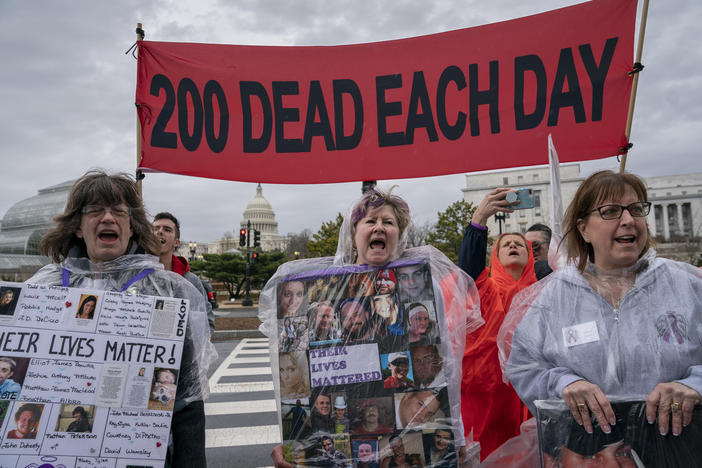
9,389
375,234
539,235
103,240
616,321
26,421
167,231
81,422
488,405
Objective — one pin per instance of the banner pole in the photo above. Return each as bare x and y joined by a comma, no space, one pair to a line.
635,82
140,37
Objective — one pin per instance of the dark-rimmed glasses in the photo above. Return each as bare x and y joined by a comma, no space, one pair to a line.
98,211
636,209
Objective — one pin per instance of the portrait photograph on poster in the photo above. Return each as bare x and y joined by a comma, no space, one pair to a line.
163,389
12,373
87,307
632,442
27,417
9,296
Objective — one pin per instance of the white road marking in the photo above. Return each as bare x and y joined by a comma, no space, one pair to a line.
237,436
245,371
240,407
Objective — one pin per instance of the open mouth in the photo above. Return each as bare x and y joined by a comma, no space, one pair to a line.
377,244
625,239
108,236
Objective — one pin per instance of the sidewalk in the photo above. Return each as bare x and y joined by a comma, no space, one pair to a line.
234,321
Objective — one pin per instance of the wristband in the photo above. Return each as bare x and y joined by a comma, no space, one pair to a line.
476,225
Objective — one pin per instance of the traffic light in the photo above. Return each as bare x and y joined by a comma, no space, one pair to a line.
242,237
257,238
254,257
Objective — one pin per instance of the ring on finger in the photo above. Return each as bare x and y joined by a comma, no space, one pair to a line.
581,406
675,407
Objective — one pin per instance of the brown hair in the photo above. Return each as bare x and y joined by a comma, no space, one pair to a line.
375,198
600,186
97,187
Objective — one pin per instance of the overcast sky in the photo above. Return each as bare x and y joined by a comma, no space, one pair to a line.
67,93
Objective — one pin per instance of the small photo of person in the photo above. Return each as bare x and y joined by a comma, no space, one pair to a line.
294,419
294,377
419,410
292,299
414,283
328,288
12,372
423,329
361,284
86,307
8,300
27,418
75,418
4,405
397,372
439,449
365,453
322,322
333,451
371,416
340,418
321,414
163,389
385,282
159,304
404,450
427,367
387,311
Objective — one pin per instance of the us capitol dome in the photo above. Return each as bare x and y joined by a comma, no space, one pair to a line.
262,218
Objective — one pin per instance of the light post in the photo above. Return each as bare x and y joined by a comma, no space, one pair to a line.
247,298
193,248
500,217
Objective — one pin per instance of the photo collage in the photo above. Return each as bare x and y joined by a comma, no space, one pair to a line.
361,368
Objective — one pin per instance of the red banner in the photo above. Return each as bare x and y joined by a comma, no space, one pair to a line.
460,101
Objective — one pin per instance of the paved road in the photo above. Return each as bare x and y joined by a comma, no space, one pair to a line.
241,413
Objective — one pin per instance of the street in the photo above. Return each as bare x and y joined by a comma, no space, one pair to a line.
242,425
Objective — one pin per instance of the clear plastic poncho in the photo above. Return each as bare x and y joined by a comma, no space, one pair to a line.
198,351
367,360
566,328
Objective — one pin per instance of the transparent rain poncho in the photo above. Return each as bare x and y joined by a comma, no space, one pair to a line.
625,331
349,366
198,351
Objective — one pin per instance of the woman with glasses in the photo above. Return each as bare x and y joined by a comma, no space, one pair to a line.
617,321
103,240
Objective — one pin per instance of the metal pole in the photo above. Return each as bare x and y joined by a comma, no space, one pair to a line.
247,299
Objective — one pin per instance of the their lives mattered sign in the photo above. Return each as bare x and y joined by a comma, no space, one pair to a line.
87,377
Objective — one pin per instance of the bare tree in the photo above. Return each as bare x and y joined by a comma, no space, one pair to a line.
417,234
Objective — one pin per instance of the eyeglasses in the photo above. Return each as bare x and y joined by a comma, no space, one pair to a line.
636,209
98,211
536,245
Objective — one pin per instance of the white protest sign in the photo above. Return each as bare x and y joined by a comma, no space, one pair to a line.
344,365
91,376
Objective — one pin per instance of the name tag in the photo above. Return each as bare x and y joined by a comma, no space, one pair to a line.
580,334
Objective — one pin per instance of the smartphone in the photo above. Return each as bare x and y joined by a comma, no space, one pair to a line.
524,196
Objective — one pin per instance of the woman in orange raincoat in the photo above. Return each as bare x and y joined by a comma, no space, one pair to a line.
490,407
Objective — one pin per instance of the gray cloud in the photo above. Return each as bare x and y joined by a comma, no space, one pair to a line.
67,93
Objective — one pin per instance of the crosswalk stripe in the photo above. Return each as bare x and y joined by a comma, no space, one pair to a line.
239,407
253,351
245,371
242,387
250,360
237,436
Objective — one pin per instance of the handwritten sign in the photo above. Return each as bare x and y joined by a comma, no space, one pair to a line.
344,365
90,377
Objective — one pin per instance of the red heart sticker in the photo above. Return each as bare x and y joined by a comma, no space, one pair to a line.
158,444
89,384
69,303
